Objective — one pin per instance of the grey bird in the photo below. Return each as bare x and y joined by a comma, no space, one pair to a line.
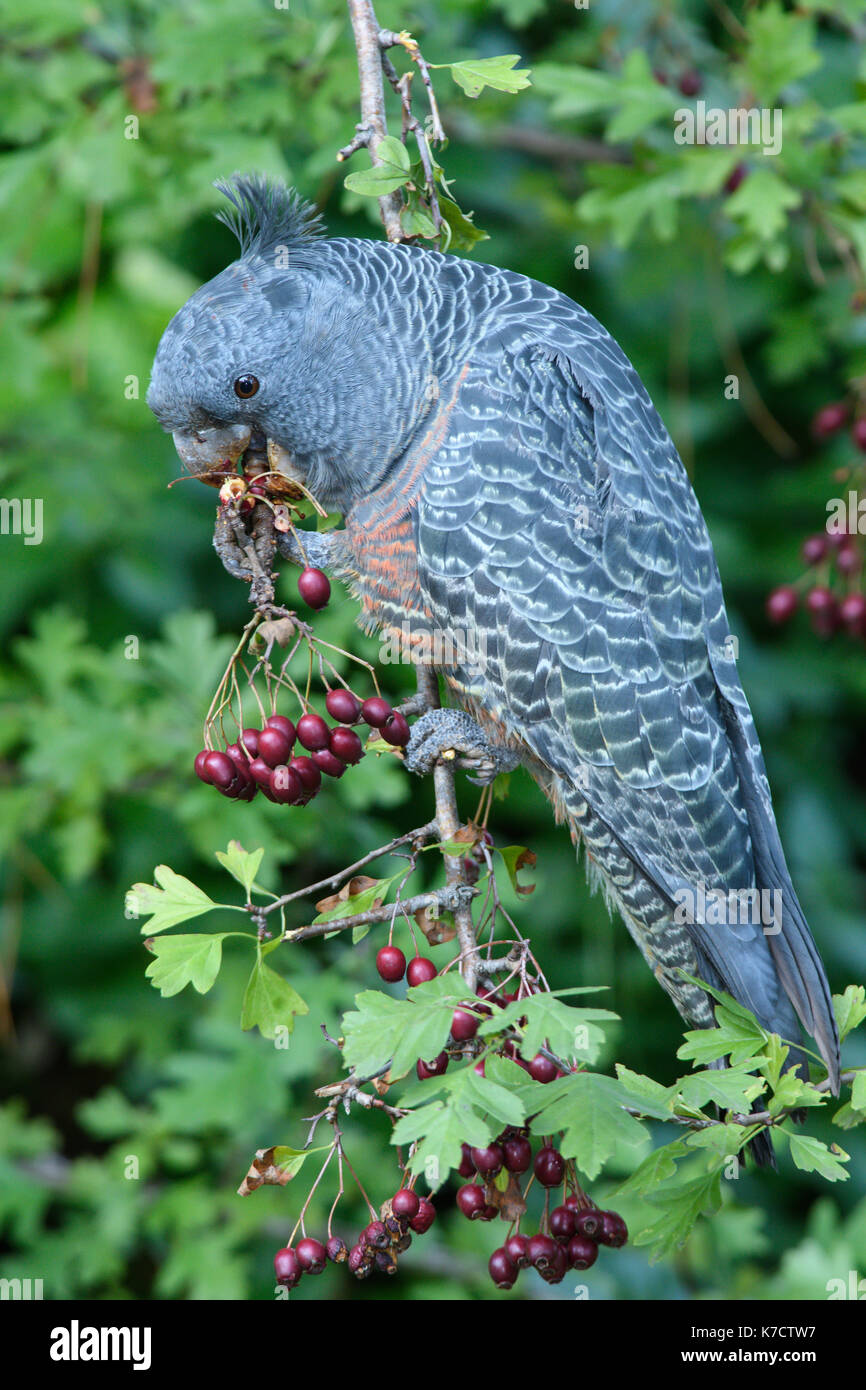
503,475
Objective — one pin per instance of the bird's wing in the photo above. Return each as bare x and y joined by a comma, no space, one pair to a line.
557,525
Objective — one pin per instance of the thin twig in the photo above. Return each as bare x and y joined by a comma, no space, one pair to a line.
372,128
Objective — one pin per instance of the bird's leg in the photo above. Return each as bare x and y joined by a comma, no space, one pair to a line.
228,547
247,551
319,547
451,734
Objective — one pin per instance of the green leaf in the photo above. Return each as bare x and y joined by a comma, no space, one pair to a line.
399,1031
792,1093
732,1088
176,899
858,1091
761,204
241,864
684,1201
185,960
846,1117
850,1009
569,1032
737,1035
463,235
588,1107
270,1002
725,1140
658,1166
515,858
477,73
391,171
780,49
812,1156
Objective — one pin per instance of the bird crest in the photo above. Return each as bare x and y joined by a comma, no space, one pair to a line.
265,214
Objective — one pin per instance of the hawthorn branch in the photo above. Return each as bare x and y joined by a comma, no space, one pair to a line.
447,825
372,128
419,835
448,899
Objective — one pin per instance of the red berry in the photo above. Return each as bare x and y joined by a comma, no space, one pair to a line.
313,732
200,769
518,1155
735,178
312,1255
488,1212
359,1262
556,1270
406,1203
690,83
488,1161
220,769
467,1167
830,419
375,711
463,1025
852,611
782,604
562,1223
345,745
471,1200
858,433
823,609
337,1250
549,1166
279,721
425,1218
518,1248
421,970
589,1222
343,706
396,731
376,1235
614,1232
848,558
260,772
424,1070
326,762
503,1270
274,747
287,1267
391,963
285,786
306,770
542,1069
582,1252
250,740
314,587
541,1250
815,548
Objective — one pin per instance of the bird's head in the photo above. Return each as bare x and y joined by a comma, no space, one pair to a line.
279,359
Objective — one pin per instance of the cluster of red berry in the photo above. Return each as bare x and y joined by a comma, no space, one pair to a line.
833,559
570,1234
376,1250
264,759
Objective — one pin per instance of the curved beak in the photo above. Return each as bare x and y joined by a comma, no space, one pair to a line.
212,453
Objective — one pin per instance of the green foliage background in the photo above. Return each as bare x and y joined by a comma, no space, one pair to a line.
101,240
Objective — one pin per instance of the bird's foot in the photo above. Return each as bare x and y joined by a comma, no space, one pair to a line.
450,735
247,548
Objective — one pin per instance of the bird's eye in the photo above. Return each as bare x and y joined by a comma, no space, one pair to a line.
246,386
